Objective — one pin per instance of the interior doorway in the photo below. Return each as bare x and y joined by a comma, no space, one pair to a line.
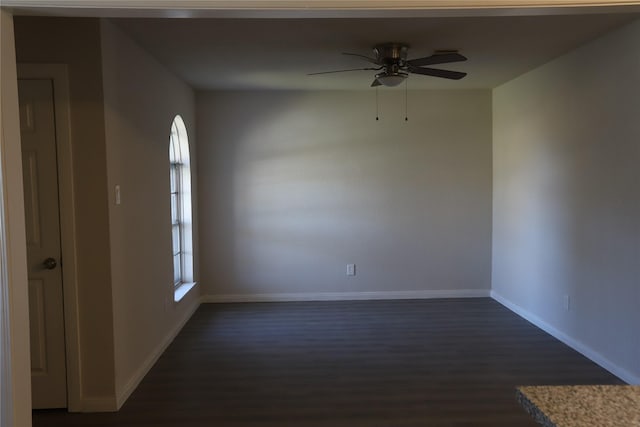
50,230
42,223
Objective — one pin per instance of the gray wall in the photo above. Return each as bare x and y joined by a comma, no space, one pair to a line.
141,100
122,104
566,209
295,185
76,42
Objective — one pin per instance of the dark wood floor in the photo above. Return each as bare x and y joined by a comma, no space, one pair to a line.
427,363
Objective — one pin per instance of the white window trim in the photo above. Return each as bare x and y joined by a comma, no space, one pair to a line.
182,290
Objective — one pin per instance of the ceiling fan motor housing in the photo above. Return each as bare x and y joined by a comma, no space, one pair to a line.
391,53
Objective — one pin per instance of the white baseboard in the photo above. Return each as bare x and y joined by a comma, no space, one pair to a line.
346,296
98,404
123,394
581,348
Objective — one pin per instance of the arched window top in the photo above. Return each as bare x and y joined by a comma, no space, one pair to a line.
179,142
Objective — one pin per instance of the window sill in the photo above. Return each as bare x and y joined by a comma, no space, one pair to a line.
182,290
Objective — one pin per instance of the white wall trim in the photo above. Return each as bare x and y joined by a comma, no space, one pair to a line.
17,392
578,346
58,74
123,394
346,296
314,8
6,400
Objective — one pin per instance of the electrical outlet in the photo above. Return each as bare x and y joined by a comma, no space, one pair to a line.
351,269
567,302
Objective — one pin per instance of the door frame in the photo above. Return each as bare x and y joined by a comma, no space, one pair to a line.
58,74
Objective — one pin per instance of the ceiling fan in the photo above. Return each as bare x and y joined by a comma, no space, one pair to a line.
391,60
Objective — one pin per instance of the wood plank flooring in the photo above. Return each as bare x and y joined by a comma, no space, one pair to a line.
427,363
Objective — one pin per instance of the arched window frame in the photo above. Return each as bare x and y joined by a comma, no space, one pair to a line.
181,211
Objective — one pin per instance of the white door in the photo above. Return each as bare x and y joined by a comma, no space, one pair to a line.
46,316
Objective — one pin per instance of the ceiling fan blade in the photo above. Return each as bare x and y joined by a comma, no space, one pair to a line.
344,71
446,74
366,58
437,58
376,82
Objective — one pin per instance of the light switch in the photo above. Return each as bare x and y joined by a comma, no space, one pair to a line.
351,269
117,194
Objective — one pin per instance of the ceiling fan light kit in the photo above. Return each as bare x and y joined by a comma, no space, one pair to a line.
389,79
391,60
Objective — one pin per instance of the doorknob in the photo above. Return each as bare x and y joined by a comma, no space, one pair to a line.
49,263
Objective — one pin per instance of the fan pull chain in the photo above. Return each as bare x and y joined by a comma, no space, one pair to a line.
377,107
406,116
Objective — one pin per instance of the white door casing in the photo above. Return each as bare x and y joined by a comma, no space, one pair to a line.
42,220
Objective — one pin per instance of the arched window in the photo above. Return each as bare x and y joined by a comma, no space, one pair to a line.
181,217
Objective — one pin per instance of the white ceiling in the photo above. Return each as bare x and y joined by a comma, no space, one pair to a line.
274,44
279,53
